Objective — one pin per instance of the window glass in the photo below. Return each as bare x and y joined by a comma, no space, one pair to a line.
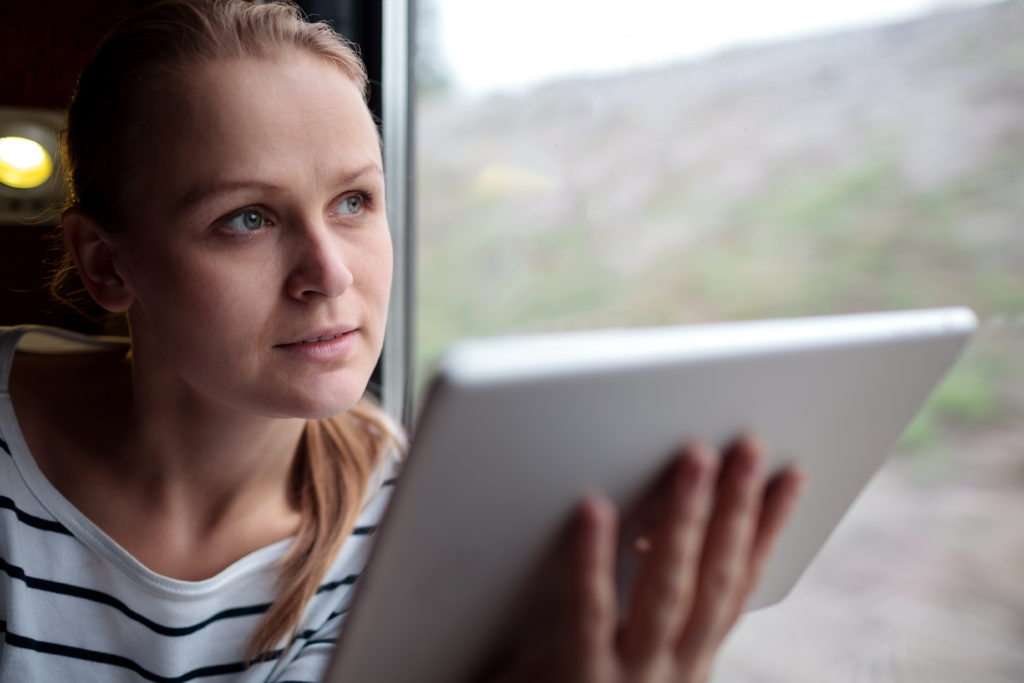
587,164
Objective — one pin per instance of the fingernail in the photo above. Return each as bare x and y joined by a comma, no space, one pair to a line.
799,481
593,513
750,456
693,467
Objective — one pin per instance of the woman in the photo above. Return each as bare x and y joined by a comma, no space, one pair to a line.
197,505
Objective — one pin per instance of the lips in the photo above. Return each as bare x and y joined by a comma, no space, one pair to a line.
321,335
319,339
323,346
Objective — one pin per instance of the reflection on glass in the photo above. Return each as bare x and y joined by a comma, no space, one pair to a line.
869,159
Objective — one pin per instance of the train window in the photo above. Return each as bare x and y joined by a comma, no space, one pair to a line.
586,164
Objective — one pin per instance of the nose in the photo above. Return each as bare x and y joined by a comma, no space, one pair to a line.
318,265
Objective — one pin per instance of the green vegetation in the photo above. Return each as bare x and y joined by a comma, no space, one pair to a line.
969,397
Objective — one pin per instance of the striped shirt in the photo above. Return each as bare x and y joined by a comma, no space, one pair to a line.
75,606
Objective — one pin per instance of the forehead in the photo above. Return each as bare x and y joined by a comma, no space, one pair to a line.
268,116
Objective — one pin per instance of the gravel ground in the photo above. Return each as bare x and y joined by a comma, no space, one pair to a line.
922,581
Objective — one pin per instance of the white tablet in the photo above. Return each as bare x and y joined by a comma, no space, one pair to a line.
514,430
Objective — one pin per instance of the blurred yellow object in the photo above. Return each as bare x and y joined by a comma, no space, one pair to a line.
496,181
24,163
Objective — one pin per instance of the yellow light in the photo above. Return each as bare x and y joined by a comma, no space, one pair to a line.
24,163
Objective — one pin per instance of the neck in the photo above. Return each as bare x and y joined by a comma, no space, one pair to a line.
213,484
213,457
189,451
211,481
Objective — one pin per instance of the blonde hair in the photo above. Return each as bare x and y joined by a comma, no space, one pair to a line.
105,137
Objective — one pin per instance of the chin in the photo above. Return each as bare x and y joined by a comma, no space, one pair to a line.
327,414
317,407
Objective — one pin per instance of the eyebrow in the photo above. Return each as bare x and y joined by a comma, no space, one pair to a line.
201,191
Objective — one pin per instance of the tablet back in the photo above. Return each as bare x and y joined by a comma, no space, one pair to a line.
514,430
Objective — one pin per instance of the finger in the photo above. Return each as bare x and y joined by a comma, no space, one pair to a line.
727,547
592,612
779,501
663,594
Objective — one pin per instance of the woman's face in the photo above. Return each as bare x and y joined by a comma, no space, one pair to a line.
258,250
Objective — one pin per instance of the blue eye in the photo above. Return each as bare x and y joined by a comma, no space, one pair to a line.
249,220
350,205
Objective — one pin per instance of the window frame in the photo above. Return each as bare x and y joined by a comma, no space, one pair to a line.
397,133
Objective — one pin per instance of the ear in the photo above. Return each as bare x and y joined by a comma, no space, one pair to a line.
93,253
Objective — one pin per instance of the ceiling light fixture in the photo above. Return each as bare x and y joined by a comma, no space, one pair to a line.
30,186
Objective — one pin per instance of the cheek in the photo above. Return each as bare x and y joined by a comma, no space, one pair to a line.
193,298
379,270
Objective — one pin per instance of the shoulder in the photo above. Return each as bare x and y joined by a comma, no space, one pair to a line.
56,377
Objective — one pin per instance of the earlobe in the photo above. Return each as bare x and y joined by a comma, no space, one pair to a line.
91,249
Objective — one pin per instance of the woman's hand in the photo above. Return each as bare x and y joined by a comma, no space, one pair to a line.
701,561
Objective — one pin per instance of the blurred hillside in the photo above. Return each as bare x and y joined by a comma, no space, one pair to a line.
874,169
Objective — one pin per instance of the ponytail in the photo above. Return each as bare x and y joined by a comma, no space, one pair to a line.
335,462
